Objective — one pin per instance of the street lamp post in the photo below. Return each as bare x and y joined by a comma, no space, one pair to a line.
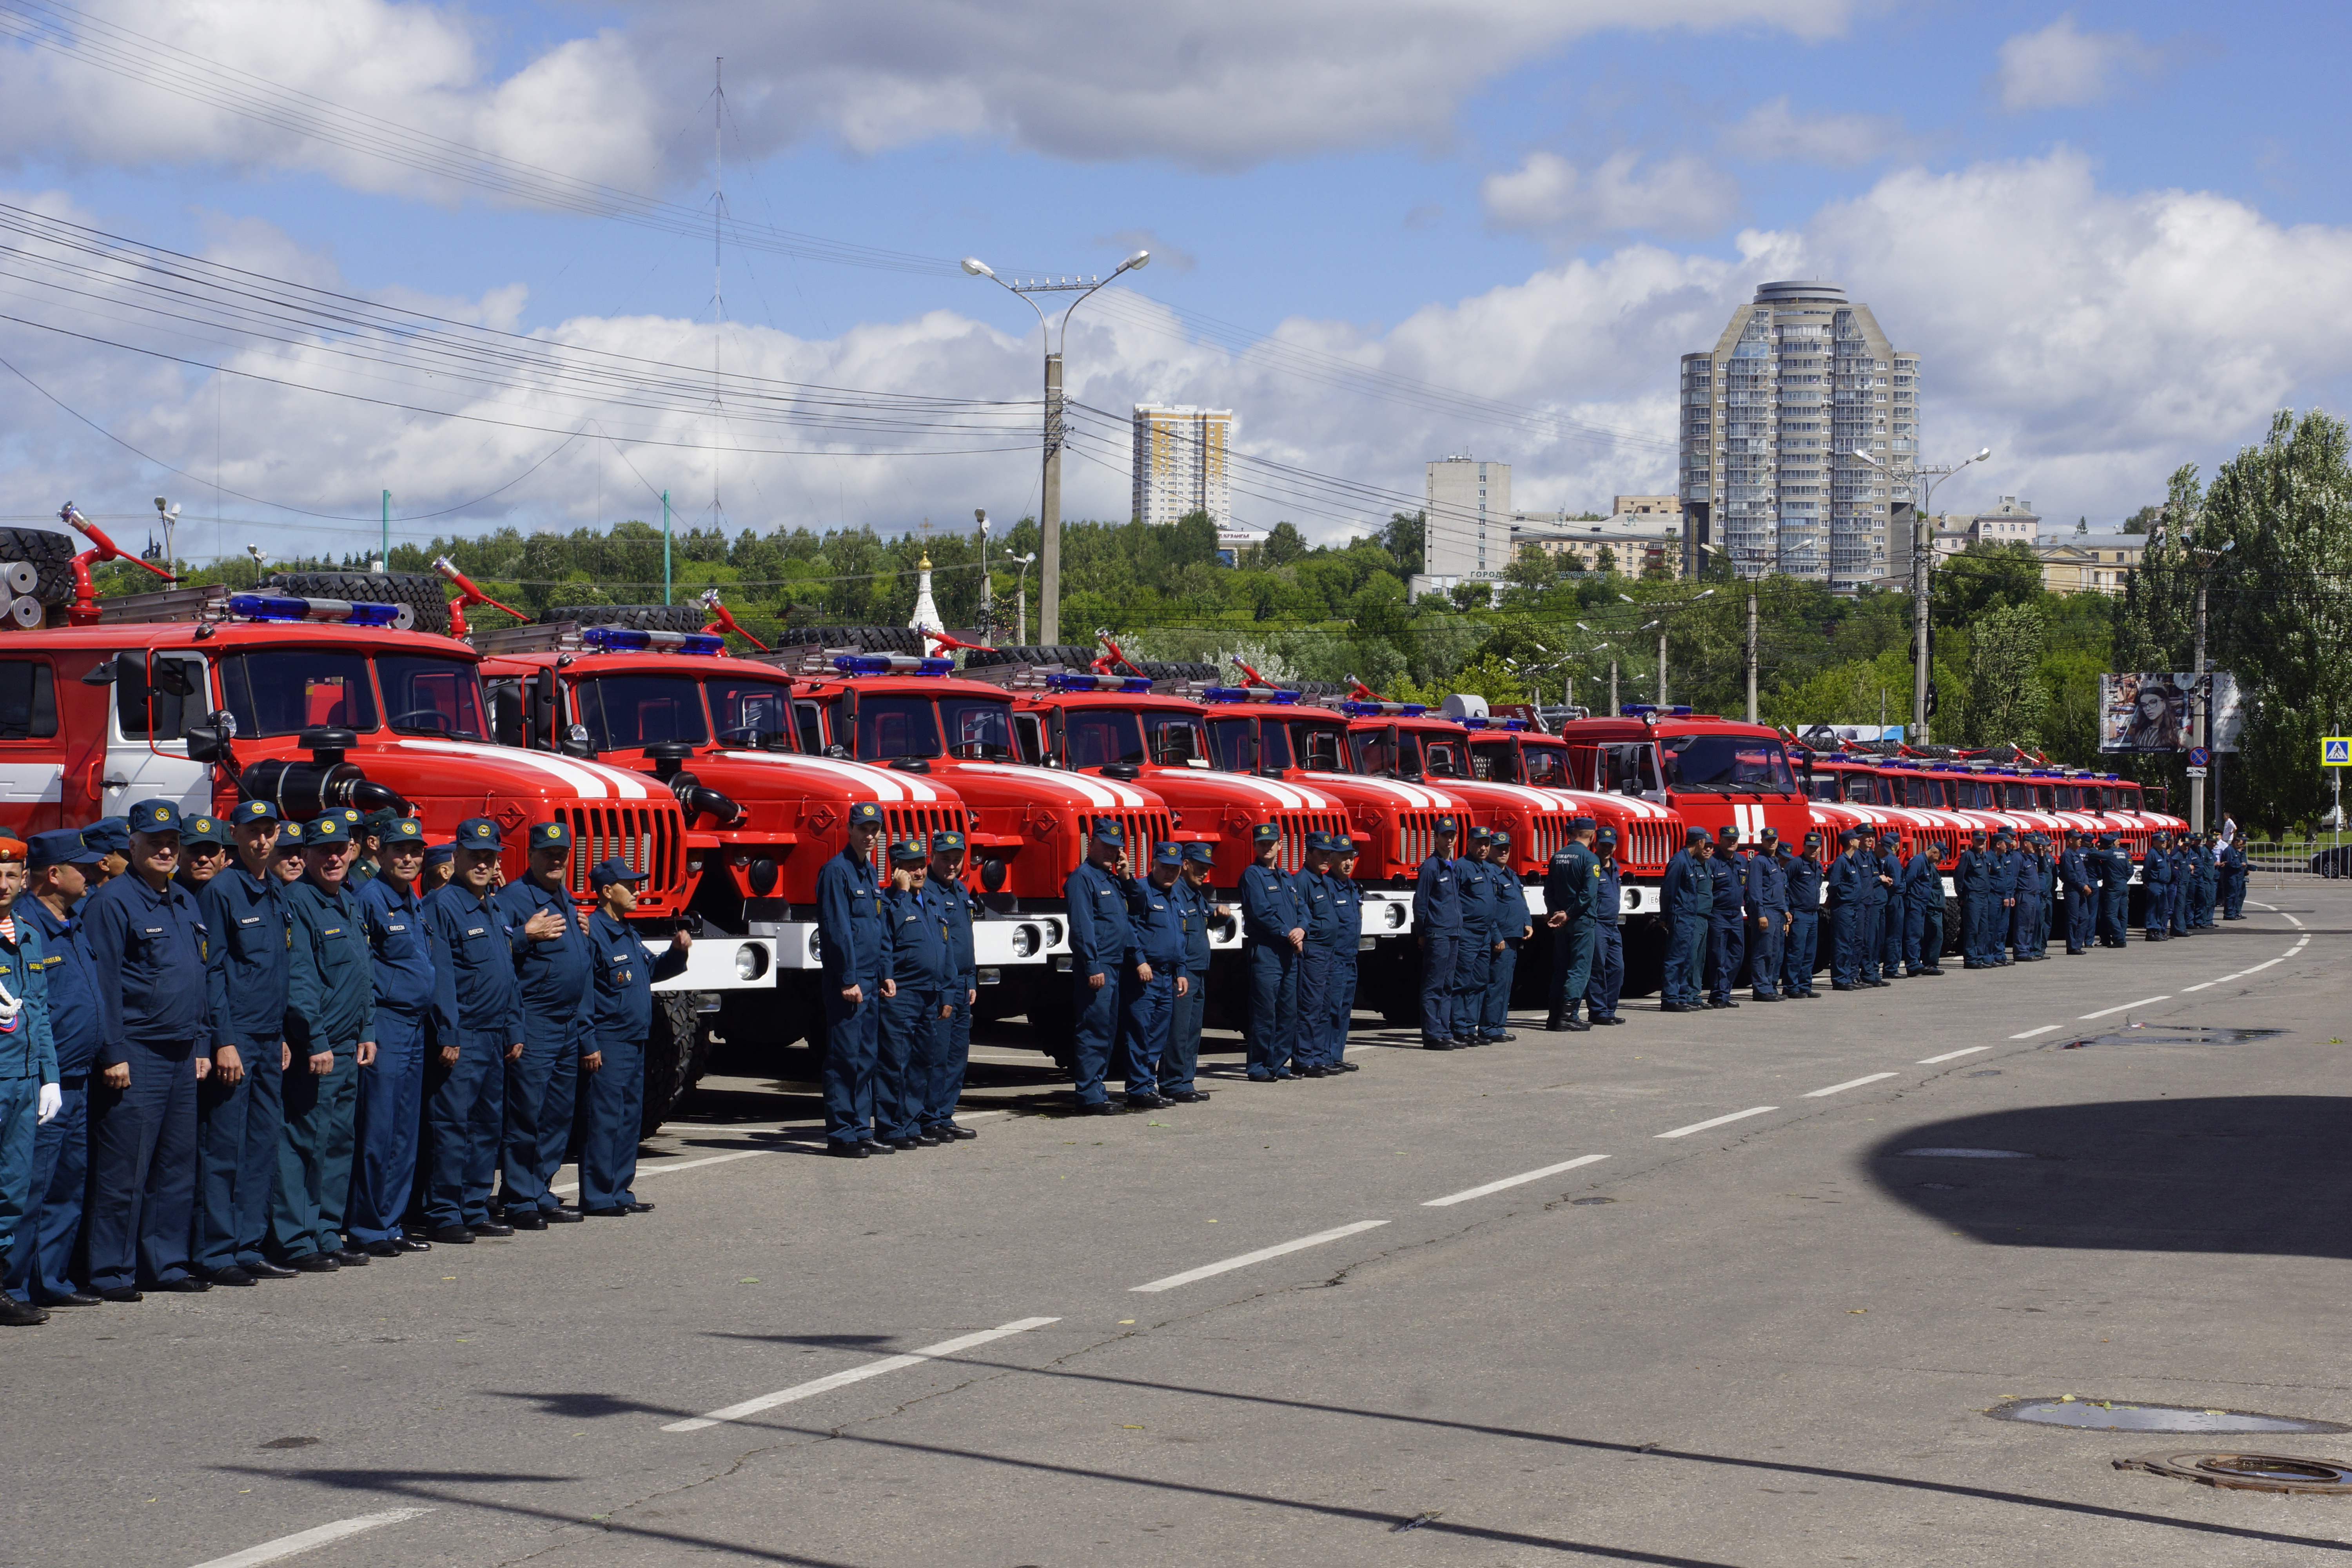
1923,548
1664,615
1021,605
1049,500
987,599
2201,711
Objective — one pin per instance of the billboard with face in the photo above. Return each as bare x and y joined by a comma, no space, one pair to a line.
2155,712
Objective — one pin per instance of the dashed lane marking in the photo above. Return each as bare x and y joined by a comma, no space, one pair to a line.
2257,969
2186,989
2128,1006
857,1375
681,1165
1718,1122
288,1545
1967,1051
1524,1176
1260,1256
1850,1083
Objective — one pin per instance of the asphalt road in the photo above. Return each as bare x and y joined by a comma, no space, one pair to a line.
1770,1340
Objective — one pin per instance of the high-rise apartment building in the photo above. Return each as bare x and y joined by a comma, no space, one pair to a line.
1468,503
1180,463
1774,419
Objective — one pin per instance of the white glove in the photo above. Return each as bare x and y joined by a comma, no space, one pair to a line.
52,1100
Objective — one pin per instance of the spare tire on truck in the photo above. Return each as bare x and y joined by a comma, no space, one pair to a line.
1071,655
422,592
634,617
50,555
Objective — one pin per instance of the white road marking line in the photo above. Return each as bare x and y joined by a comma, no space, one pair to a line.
2188,988
1850,1083
2129,1005
857,1375
1968,1051
1260,1256
2258,968
2030,1033
1718,1121
2291,920
681,1165
288,1545
1514,1181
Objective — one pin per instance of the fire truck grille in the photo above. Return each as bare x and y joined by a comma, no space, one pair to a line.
1650,844
1416,838
1143,829
917,822
1297,825
648,838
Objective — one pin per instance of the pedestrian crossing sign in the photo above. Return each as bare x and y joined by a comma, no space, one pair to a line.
2335,751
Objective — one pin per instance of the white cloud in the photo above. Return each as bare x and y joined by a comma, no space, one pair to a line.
2062,67
1776,132
1681,197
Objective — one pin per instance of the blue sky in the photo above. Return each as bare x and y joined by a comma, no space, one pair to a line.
2116,234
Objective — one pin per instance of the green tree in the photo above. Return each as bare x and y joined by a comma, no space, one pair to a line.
1983,577
2007,700
2141,520
1282,546
1401,539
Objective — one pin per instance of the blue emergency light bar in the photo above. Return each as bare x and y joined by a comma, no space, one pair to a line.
1383,710
1472,721
1075,680
1649,710
627,639
1273,694
891,664
285,607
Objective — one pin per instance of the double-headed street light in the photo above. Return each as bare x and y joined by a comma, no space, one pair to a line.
1049,503
1923,547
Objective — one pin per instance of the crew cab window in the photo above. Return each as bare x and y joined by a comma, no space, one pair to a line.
1316,747
748,712
1972,795
431,696
1094,737
1928,792
891,727
809,717
978,728
2097,799
1373,754
622,712
286,692
1822,786
1175,739
28,699
1029,737
1547,766
2043,797
1729,762
2016,797
1631,768
1234,744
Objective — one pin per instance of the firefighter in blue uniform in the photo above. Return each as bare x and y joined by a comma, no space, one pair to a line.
620,1016
1509,896
919,974
2156,878
1154,975
2200,855
478,1029
2075,884
391,1091
2049,852
943,1084
1878,888
1100,939
1437,927
1727,942
2025,928
147,946
1802,872
1608,935
1923,910
30,1093
2184,882
2233,878
1349,899
241,1109
1972,879
1764,903
1849,878
2005,867
40,1264
2112,865
855,955
1687,897
1474,959
1274,935
1327,937
543,1084
1197,904
1571,879
330,1037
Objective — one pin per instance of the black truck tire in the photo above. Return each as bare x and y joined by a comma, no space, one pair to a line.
636,617
422,592
1068,654
49,553
673,1056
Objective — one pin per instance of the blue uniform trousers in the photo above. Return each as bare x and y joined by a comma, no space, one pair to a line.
1764,956
542,1087
1726,955
314,1156
1923,936
2183,898
2155,912
143,1172
615,1101
1870,938
1685,951
929,1044
904,1047
2078,921
1845,943
1343,1008
464,1109
2026,938
1182,1059
1473,958
1095,1015
2233,897
1607,972
853,1042
237,1129
40,1262
1439,952
1495,1007
1318,970
1572,964
2112,904
384,1164
1797,954
1978,942
1143,1010
952,1036
1893,919
1273,1032
18,1104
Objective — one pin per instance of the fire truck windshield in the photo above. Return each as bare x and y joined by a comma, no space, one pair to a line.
289,691
978,726
1734,763
1096,737
624,711
1547,766
891,725
748,712
429,696
1175,739
1443,759
1316,747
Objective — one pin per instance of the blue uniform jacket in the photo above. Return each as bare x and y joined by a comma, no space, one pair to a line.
1803,879
1475,890
148,951
1689,888
1873,892
2074,870
394,922
1158,928
956,908
71,985
1100,934
2155,871
553,974
474,985
252,949
849,923
1975,871
26,1048
2006,864
1846,877
1195,907
1607,897
621,976
1324,929
1508,897
1271,908
917,939
1568,882
1767,886
1729,875
1923,882
330,987
1348,900
1438,897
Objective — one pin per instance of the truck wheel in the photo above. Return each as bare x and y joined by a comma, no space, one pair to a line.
673,1049
422,592
49,554
636,617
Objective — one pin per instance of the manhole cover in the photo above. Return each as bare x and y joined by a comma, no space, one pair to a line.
2124,1416
2248,1472
2170,1034
1964,1154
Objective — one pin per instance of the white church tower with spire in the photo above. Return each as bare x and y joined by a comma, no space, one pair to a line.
927,613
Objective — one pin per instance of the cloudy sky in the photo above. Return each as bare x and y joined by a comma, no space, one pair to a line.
464,252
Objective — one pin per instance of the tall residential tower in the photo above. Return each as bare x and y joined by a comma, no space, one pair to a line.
1180,463
1772,418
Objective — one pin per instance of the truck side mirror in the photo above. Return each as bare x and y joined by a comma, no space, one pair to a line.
206,743
577,743
172,678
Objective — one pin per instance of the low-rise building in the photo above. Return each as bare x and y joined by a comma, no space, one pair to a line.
1636,541
2089,563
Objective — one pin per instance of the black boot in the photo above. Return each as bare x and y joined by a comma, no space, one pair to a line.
1554,1024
